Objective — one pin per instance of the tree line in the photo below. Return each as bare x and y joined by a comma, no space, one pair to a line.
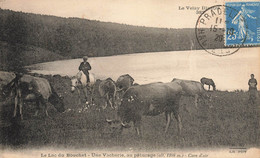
74,37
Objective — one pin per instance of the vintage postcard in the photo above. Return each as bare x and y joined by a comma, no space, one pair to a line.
129,78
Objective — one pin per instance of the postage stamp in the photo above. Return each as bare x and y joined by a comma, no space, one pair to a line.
211,28
243,25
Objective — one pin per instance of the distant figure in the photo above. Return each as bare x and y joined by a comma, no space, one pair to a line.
252,83
209,82
85,67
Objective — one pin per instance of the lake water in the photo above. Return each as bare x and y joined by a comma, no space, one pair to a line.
229,73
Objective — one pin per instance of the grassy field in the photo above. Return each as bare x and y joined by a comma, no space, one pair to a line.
231,122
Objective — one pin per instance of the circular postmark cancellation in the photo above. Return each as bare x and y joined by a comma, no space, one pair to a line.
213,27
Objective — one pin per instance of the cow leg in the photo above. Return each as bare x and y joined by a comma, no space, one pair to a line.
79,96
114,99
88,92
91,94
168,121
21,105
178,118
15,104
137,125
138,129
209,86
109,97
46,108
107,100
37,107
85,91
104,107
19,102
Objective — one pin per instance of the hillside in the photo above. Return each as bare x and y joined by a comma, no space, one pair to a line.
14,57
74,37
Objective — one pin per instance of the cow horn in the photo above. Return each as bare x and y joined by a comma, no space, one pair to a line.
125,125
118,90
109,120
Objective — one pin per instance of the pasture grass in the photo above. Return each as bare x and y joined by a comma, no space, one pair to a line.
229,122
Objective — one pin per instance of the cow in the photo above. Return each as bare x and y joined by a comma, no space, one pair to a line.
209,82
149,100
80,81
192,88
123,83
107,91
32,89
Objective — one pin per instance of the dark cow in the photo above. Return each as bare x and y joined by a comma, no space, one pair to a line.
150,100
192,88
209,82
123,83
107,90
28,88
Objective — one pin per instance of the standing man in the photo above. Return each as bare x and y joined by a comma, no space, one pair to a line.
85,67
252,89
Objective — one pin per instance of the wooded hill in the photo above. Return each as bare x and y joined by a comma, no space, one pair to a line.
34,36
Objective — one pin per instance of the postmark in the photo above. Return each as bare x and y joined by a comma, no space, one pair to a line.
245,24
211,30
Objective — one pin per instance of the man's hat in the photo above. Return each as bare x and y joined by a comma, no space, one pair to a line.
85,57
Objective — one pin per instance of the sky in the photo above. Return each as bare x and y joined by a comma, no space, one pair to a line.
151,13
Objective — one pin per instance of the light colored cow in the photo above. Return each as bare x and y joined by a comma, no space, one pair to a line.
80,81
192,88
107,90
29,88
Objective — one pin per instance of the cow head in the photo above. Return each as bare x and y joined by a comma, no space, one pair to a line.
214,87
116,126
7,89
57,101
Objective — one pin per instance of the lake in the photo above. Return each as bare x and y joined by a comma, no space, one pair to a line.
229,73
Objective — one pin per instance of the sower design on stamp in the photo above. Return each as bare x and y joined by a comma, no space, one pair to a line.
244,25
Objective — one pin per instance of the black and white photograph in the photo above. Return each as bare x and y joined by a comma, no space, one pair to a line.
129,78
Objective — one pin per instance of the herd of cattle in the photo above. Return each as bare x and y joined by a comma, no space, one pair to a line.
131,100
